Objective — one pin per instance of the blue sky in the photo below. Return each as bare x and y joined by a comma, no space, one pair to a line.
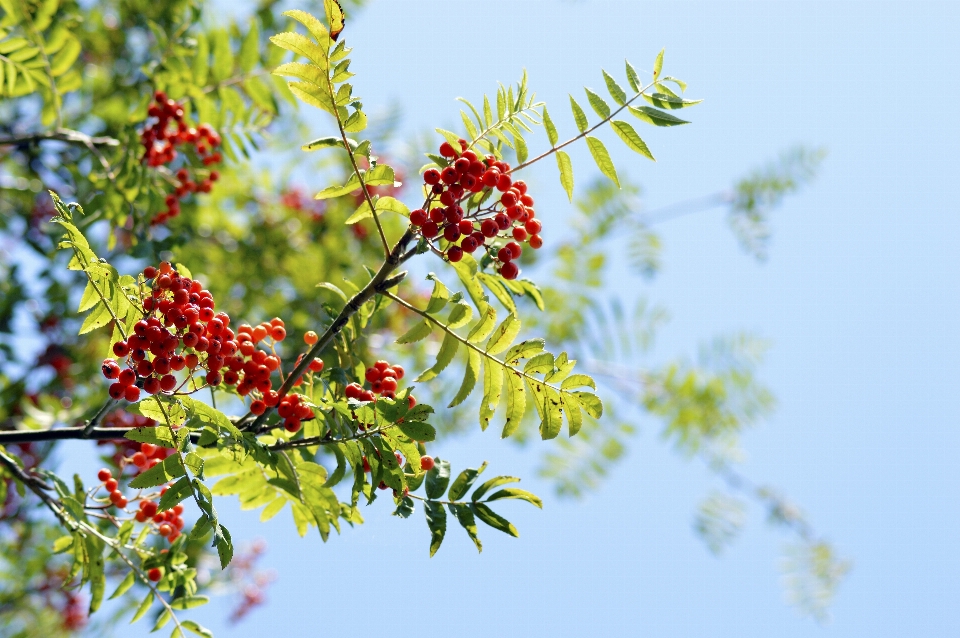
859,299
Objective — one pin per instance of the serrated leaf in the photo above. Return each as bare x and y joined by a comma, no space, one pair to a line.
163,472
516,492
437,522
540,364
602,159
175,494
656,117
494,520
599,105
679,83
143,608
313,25
189,602
124,585
468,522
579,116
578,381
551,129
671,102
313,96
658,64
438,478
448,350
418,431
492,389
470,375
504,335
566,173
309,74
421,330
571,407
492,483
464,482
250,49
591,403
301,45
520,146
331,141
516,402
95,571
630,137
633,78
198,629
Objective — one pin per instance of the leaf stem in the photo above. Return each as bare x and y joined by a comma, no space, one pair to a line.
584,134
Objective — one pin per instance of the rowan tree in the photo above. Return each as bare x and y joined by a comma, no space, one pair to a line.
216,329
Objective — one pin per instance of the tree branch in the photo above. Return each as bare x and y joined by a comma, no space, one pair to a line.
59,135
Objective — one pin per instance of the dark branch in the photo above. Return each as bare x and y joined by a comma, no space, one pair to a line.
59,135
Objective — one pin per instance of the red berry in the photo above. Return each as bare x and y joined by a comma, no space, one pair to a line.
468,245
258,407
168,382
454,253
165,529
418,217
446,150
316,365
533,226
519,234
426,463
121,349
139,459
449,175
466,227
278,333
430,229
431,176
514,249
503,184
131,393
151,385
110,369
536,242
509,270
156,573
116,391
504,254
508,199
148,449
104,475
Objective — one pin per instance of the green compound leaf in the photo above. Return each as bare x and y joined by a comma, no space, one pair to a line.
438,478
470,376
437,522
579,116
465,517
566,173
492,483
516,403
602,159
515,492
617,93
464,482
492,390
494,520
631,138
658,65
656,117
599,105
670,102
551,129
633,78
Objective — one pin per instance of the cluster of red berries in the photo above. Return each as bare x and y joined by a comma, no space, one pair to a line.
167,524
180,330
160,140
511,216
383,379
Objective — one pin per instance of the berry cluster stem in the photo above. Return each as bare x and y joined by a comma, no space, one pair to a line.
377,285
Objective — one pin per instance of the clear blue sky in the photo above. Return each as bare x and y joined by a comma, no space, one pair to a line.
859,298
